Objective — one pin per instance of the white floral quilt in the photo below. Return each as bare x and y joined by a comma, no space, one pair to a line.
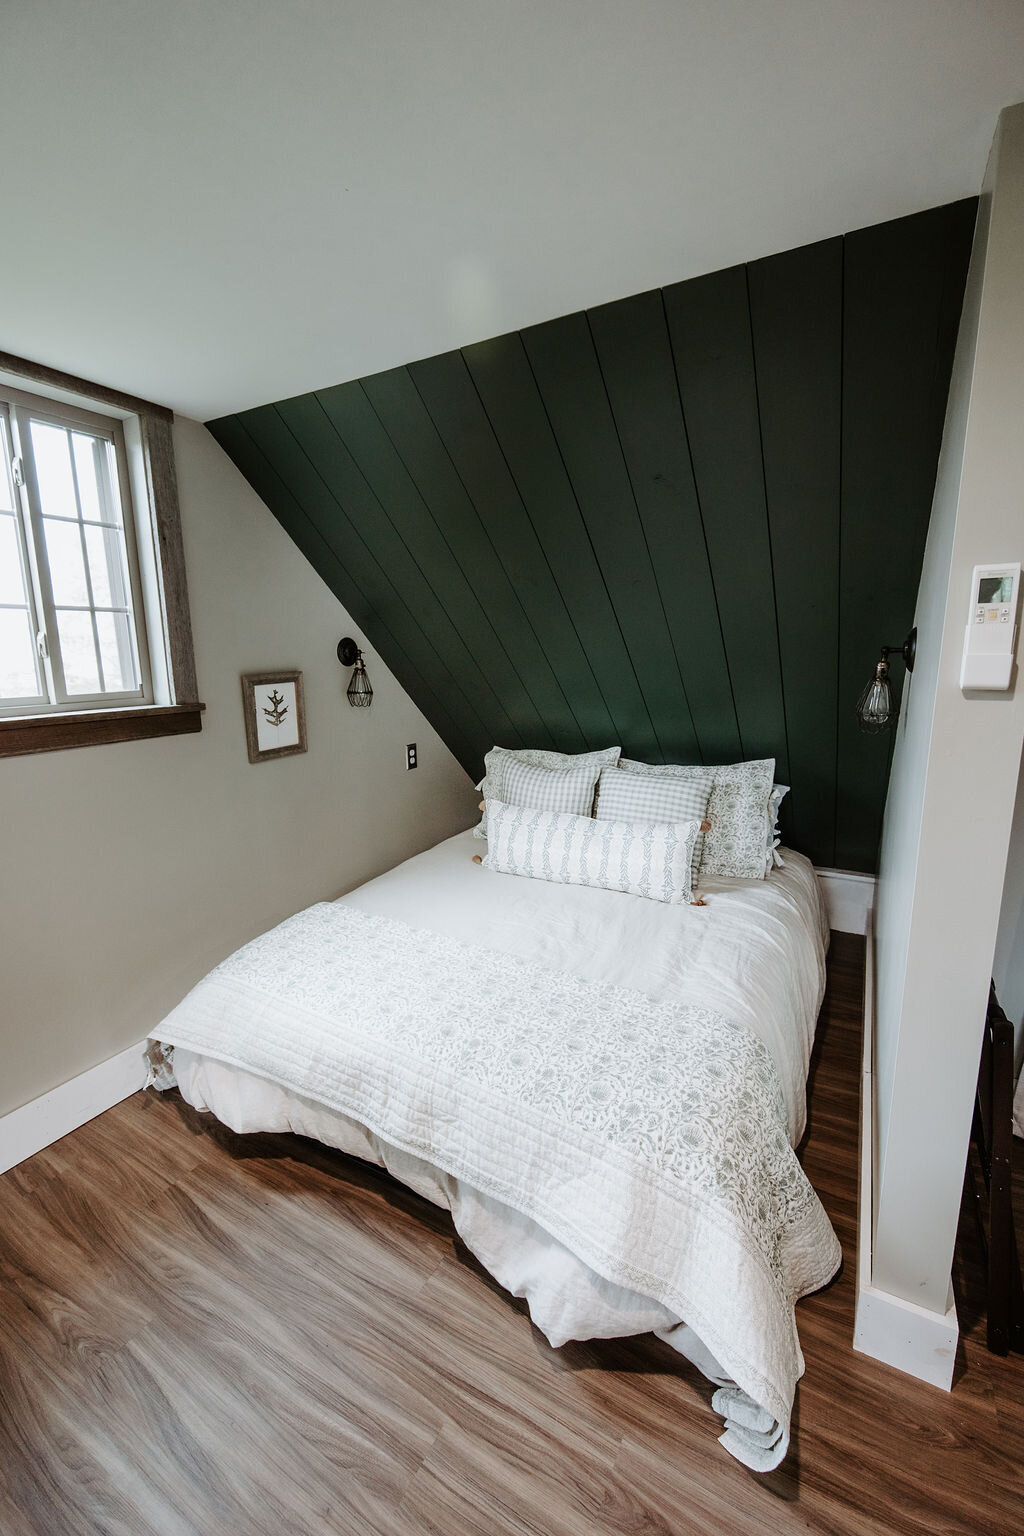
648,1137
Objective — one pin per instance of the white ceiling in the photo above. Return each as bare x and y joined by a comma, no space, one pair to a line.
215,203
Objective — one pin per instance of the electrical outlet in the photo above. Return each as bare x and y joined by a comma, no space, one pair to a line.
410,755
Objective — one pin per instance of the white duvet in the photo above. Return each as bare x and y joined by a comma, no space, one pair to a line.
753,957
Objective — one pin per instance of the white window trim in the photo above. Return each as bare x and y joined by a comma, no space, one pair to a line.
163,614
25,407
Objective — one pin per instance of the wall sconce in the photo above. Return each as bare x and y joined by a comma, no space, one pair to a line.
360,694
877,709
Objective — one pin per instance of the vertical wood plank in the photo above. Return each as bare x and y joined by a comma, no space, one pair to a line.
352,507
568,374
353,579
449,394
796,319
631,337
709,323
505,383
485,601
903,289
400,529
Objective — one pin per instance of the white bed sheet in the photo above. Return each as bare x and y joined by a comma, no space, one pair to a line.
755,953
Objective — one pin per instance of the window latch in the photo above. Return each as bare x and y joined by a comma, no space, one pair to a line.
18,469
41,646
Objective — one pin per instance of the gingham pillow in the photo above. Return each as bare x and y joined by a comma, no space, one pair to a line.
737,811
492,784
649,859
654,797
569,791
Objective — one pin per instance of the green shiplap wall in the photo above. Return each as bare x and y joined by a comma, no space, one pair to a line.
684,521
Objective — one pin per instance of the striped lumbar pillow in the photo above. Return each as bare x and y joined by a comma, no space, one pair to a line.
655,797
640,858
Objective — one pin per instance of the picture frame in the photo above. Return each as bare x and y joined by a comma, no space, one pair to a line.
275,714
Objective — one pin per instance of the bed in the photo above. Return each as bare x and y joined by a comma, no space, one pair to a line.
605,1091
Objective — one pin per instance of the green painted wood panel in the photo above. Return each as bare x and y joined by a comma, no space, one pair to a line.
250,458
508,389
709,323
445,535
401,533
631,337
903,289
684,521
298,439
483,599
796,321
565,689
568,374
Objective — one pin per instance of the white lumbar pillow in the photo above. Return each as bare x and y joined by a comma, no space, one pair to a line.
649,859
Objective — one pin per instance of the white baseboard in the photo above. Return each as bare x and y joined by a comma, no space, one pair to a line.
897,1332
45,1120
849,898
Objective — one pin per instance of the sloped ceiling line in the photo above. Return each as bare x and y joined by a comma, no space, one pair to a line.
684,521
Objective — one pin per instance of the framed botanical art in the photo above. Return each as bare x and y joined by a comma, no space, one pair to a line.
275,714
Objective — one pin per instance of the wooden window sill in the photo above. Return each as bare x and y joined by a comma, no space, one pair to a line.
95,727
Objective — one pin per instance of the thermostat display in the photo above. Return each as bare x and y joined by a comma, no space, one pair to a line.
991,627
995,589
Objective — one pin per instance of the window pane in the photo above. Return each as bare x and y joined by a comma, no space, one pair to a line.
116,652
93,470
107,569
78,653
53,470
67,568
6,484
12,578
17,655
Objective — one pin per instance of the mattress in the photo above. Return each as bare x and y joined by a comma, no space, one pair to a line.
754,954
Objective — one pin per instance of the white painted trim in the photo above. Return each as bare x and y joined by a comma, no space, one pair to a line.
897,1332
45,1120
849,898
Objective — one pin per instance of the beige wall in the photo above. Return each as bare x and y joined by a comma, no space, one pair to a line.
954,779
126,871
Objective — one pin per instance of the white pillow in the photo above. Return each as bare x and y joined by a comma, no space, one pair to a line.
492,785
655,797
641,858
737,811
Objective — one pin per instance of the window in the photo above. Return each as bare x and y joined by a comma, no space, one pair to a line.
95,640
69,573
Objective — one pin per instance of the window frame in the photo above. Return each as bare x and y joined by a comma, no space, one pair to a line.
28,408
142,435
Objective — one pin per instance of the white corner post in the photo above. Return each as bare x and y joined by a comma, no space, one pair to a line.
947,825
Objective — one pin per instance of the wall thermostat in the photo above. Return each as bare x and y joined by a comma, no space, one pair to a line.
991,627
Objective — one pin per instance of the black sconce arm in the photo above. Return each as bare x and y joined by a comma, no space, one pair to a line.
908,650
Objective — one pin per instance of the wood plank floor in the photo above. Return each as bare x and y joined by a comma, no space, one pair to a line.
252,1337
